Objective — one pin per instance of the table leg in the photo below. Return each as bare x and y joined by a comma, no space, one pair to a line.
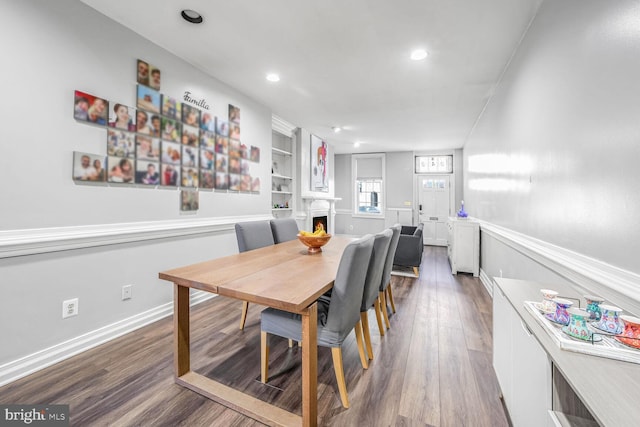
310,366
181,337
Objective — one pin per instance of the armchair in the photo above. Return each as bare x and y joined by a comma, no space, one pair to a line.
410,245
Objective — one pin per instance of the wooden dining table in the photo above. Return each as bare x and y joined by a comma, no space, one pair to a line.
283,276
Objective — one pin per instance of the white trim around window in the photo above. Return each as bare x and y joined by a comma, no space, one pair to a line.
371,171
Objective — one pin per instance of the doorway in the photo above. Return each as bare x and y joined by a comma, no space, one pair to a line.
434,207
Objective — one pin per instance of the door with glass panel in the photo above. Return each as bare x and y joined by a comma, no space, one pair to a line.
434,208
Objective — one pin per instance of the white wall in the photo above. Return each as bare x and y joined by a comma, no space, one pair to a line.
51,49
555,155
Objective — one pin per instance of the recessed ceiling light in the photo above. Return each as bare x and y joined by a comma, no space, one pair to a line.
191,16
418,54
356,144
273,77
336,129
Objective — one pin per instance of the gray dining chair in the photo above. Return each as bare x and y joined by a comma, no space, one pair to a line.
252,235
385,284
336,318
370,296
284,229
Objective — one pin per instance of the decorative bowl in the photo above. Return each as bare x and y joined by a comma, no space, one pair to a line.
314,243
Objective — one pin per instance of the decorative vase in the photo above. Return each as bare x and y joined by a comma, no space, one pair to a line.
461,212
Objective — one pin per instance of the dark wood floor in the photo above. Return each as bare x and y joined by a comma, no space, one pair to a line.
433,367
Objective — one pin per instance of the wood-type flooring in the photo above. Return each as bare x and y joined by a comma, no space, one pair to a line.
432,368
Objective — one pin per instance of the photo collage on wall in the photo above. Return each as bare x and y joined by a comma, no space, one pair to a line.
166,142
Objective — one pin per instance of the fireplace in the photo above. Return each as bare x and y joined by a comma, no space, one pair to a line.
320,220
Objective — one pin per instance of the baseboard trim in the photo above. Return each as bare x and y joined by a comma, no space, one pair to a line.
43,240
575,267
29,364
486,282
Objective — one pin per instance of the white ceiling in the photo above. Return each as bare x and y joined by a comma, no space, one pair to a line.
346,62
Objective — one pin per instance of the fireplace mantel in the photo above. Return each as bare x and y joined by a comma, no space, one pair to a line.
318,205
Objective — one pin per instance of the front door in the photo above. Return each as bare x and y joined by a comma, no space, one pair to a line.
433,208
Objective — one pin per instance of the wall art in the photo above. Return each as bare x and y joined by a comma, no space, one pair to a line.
88,167
90,108
189,200
147,173
319,166
122,117
148,99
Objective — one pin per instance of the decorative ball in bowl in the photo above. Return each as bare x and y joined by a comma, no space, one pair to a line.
314,242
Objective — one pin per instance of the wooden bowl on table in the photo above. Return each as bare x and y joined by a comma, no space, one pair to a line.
314,243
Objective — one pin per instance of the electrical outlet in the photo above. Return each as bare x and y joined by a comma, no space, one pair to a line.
126,292
69,308
500,272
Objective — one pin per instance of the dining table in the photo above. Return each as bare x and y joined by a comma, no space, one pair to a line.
285,276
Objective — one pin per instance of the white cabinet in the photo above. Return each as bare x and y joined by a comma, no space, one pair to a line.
522,366
464,245
282,172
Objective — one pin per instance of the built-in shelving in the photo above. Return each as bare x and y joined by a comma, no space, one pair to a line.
282,172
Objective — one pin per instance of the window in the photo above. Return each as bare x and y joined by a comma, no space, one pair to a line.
368,179
434,164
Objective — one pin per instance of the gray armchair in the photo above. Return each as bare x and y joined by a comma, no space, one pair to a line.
410,245
252,235
284,229
336,318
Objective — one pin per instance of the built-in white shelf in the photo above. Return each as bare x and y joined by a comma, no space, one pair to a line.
277,175
281,209
279,151
281,192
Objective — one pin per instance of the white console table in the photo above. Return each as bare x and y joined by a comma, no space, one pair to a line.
464,245
543,385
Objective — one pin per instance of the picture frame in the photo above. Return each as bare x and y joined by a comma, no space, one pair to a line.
121,143
190,115
90,108
171,108
89,167
319,167
148,99
190,176
171,153
147,172
234,114
147,148
189,200
170,175
122,117
171,130
121,170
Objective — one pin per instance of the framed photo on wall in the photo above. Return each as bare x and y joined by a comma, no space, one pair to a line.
90,108
189,200
89,167
319,166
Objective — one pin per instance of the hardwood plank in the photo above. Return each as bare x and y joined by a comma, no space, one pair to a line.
420,401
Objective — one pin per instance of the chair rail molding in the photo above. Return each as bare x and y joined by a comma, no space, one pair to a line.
43,240
575,267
